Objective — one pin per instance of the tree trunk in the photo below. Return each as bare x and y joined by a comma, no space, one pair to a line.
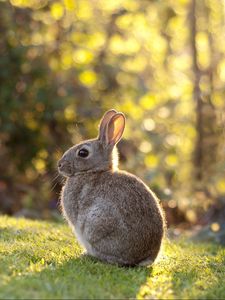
207,135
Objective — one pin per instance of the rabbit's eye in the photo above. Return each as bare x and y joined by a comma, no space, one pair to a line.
83,152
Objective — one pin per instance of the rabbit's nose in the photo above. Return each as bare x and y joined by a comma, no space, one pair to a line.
60,164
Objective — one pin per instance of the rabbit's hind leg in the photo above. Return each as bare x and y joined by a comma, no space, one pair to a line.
146,262
113,260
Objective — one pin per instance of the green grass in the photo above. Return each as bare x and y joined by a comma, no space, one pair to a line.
43,260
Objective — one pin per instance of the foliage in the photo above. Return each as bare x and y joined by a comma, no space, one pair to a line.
42,260
63,63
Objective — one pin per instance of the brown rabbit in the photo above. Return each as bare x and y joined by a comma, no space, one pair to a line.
114,215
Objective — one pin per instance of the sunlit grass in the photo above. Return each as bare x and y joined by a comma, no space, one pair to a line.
43,260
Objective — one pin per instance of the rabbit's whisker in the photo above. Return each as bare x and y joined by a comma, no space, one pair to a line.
55,178
52,188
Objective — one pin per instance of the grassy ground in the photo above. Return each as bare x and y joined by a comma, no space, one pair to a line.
43,260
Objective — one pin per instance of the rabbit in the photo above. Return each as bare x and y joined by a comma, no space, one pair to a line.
113,214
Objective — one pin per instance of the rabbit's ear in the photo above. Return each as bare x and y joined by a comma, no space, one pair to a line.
115,129
104,122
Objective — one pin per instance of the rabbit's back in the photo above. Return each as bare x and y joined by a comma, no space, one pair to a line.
134,199
141,214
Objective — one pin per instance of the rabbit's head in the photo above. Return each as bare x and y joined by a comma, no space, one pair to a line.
98,154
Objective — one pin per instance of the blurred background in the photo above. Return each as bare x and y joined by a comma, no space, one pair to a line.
162,63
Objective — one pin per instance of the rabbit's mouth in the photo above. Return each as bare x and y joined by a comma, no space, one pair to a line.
65,168
66,174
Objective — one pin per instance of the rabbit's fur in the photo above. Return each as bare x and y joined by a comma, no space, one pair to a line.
114,215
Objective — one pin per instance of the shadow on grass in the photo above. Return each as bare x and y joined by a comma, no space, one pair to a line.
82,277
